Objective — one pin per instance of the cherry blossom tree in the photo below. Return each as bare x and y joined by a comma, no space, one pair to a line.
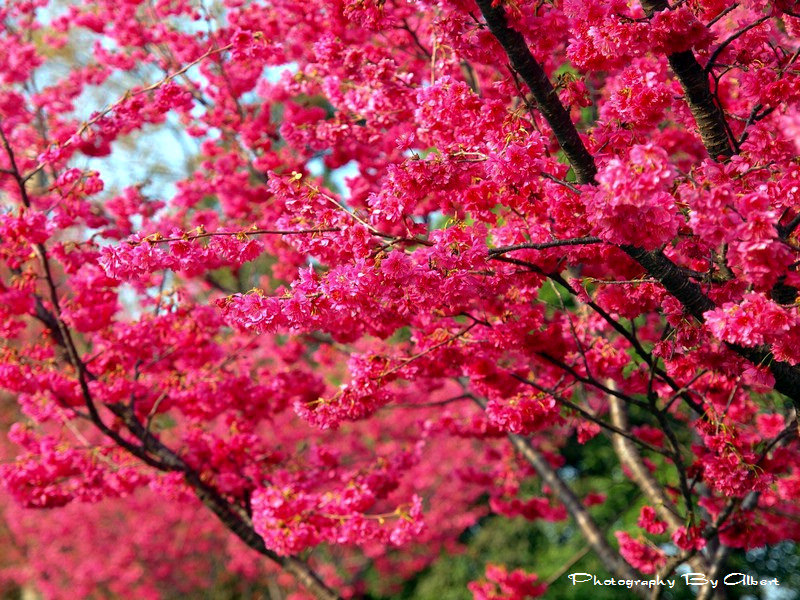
416,249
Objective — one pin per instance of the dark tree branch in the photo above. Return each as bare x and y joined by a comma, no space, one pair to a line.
694,81
647,357
232,516
545,245
755,115
784,231
727,42
691,296
658,266
543,91
729,9
637,346
589,380
609,427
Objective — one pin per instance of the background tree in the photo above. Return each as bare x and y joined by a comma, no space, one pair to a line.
403,265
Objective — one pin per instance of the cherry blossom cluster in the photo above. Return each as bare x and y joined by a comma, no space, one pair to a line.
502,585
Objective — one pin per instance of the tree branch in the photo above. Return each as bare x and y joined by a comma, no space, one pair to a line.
545,245
629,456
610,427
727,42
546,96
694,81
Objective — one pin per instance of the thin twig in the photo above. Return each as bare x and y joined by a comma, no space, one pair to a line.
727,42
582,241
